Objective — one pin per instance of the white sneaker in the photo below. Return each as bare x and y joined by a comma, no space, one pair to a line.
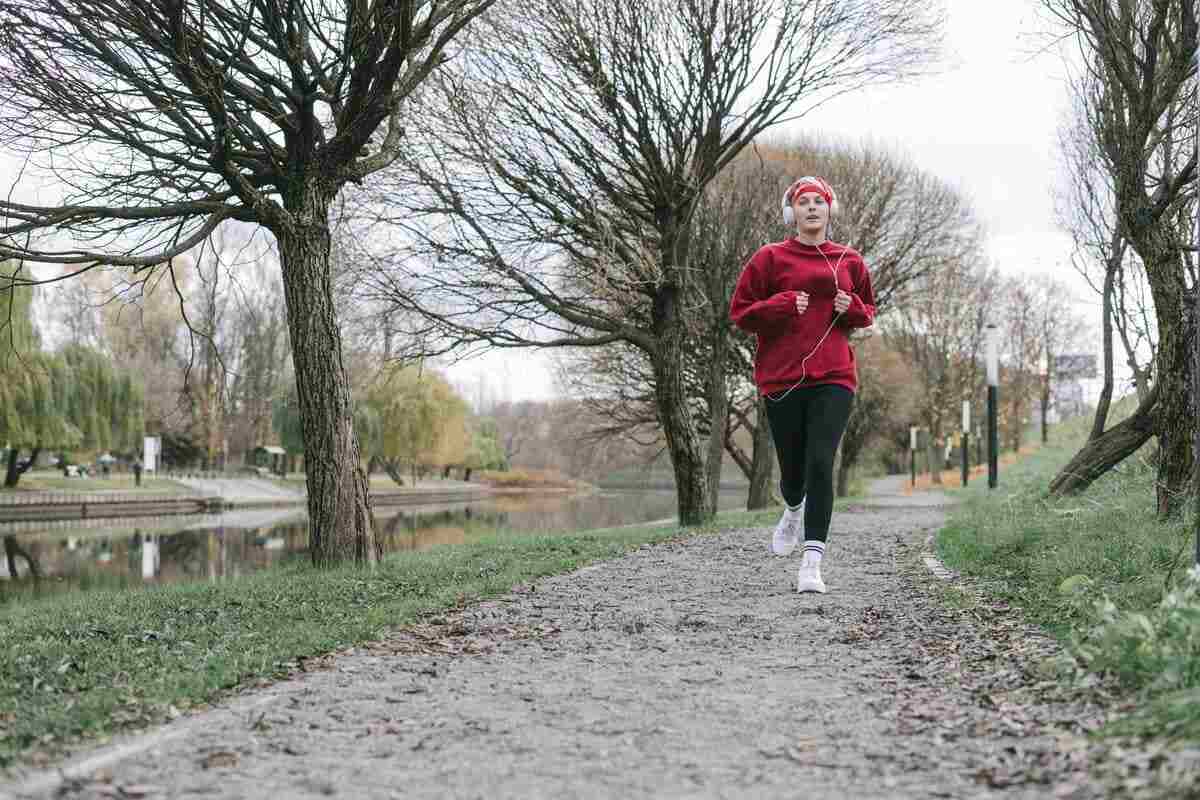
809,579
787,532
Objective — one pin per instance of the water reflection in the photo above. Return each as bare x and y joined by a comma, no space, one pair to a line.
117,554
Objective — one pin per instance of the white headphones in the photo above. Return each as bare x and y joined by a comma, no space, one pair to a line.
789,215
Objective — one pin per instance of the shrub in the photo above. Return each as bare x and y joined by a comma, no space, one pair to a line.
1158,649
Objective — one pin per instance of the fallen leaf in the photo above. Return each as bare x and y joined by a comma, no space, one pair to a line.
220,758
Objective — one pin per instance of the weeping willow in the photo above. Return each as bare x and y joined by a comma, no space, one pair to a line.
105,403
72,399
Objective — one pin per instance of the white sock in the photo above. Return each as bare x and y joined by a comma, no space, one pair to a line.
813,550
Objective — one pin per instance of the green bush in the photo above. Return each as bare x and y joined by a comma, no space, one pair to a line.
1158,649
1097,569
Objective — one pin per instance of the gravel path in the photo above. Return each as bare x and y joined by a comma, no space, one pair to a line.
687,669
242,489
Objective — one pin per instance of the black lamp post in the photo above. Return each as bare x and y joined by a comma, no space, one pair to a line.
912,453
993,390
966,440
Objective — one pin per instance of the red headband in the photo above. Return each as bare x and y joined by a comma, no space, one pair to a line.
817,185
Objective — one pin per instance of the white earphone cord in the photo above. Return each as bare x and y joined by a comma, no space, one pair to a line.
804,361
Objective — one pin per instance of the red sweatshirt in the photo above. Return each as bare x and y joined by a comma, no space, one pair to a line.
764,303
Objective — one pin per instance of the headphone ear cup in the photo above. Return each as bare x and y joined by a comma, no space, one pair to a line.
789,216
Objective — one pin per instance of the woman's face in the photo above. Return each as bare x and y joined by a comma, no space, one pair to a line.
812,213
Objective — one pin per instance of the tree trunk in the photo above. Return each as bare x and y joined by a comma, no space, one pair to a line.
1045,409
1015,423
854,438
762,464
934,453
842,470
933,463
10,556
683,443
339,506
392,468
1176,423
718,405
1105,400
1101,454
738,455
11,551
1196,401
12,474
1196,368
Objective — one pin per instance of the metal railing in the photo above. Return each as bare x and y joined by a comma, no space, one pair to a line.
78,498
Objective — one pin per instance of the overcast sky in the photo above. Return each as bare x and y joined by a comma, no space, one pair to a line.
987,122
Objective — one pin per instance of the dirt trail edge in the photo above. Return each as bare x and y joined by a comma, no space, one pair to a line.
687,669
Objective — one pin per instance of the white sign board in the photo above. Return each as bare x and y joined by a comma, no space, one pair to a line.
151,447
1075,366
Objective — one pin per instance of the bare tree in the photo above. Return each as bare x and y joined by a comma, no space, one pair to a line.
909,226
261,348
1020,321
213,345
164,118
1061,330
556,195
1196,344
885,403
939,328
143,329
1083,206
909,222
517,427
74,308
735,215
1139,57
903,220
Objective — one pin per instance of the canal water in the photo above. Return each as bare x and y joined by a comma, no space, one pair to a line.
137,551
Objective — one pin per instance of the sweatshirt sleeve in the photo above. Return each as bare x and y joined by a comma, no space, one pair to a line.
861,313
752,307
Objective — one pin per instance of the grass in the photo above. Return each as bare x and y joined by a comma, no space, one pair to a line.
44,481
84,666
527,479
1094,569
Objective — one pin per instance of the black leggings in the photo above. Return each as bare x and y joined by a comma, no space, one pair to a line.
807,425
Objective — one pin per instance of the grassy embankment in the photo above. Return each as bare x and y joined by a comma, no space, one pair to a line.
86,665
49,481
1098,571
532,479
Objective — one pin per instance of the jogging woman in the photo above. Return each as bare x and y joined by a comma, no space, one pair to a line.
801,298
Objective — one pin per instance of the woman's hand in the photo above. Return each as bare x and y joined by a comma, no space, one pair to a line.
801,302
841,302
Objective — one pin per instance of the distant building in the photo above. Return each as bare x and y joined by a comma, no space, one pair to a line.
1074,387
270,457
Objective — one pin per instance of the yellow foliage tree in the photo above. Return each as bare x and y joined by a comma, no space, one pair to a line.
422,422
